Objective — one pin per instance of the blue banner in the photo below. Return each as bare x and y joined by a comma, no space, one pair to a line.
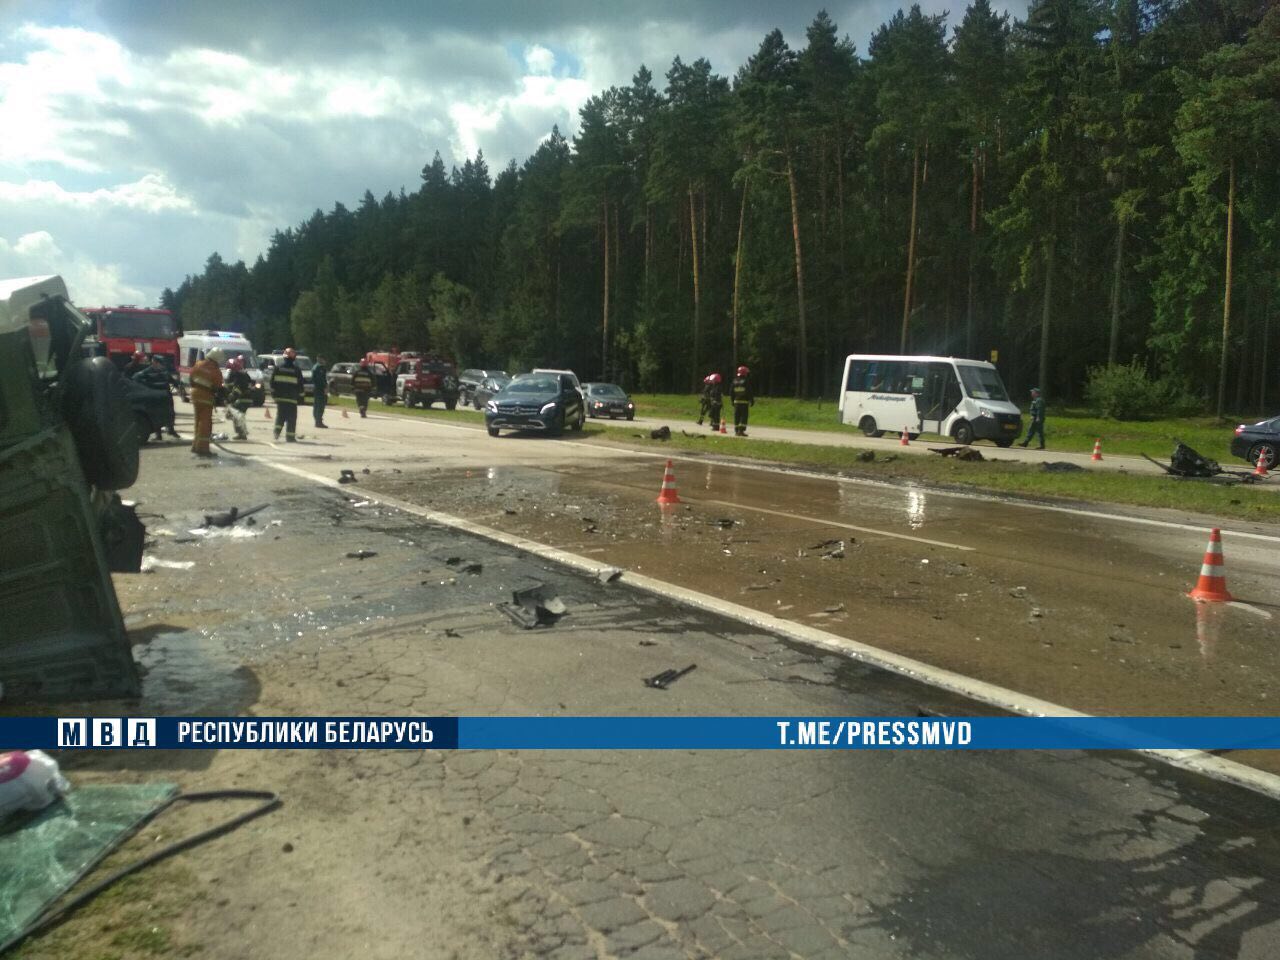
641,733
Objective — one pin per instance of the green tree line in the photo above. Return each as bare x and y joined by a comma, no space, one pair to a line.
1096,183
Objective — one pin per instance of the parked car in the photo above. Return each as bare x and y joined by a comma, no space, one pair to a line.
488,387
608,400
1257,439
566,373
469,382
269,360
536,401
340,378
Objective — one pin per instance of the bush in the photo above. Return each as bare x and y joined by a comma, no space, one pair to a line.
1125,392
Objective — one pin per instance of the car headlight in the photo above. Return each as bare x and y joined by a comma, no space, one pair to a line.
599,404
548,408
491,407
631,406
984,412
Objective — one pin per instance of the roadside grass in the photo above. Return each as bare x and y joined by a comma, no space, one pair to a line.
1020,479
1067,430
462,414
130,920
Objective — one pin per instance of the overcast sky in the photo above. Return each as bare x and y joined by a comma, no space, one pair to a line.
139,136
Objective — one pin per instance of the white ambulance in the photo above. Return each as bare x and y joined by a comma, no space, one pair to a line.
194,344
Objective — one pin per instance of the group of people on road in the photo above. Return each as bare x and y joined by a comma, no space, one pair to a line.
740,395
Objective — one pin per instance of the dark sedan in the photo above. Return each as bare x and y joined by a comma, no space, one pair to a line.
608,400
536,401
1253,440
340,378
487,389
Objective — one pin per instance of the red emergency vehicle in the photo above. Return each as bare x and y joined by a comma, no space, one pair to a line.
126,330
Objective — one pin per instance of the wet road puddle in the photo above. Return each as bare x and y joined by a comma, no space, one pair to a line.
1047,604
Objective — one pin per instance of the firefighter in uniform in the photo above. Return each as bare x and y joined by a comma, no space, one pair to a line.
156,377
206,381
715,399
743,400
287,391
239,397
704,401
137,363
362,386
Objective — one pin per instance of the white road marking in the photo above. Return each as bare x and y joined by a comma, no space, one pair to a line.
1196,761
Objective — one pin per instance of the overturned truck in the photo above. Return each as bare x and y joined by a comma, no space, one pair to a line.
67,442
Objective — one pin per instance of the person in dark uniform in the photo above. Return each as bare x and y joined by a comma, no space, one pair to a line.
704,401
743,399
320,384
239,397
362,385
155,377
715,399
137,363
1037,419
287,391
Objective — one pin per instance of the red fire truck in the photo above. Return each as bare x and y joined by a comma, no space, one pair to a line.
126,330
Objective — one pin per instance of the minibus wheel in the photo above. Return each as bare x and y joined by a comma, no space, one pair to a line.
868,427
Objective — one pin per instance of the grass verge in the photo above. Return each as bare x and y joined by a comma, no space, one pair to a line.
1067,430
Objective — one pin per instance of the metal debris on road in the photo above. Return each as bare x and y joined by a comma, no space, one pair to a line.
348,476
534,606
608,574
662,433
150,564
835,608
1061,466
866,456
660,681
361,554
827,543
471,568
724,523
231,516
836,552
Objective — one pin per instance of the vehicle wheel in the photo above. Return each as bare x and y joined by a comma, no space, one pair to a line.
388,399
868,427
631,416
451,403
493,431
557,428
103,423
1004,443
1266,450
962,432
577,424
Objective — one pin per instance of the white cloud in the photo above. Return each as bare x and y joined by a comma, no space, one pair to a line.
89,282
539,59
150,194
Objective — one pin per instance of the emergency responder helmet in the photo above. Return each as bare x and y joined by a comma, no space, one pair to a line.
216,355
364,364
1035,391
290,353
139,357
236,363
714,378
743,371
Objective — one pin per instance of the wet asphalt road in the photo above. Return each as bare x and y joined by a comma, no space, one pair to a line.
644,855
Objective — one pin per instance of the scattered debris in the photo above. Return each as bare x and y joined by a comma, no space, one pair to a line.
365,471
826,543
151,564
836,608
724,523
534,606
889,459
763,586
1018,593
509,512
452,561
1061,466
472,568
608,574
452,633
697,436
660,681
662,433
648,643
866,456
836,552
231,516
361,554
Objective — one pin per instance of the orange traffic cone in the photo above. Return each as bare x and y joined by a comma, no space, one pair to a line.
1097,449
1212,585
668,493
903,441
266,413
345,416
723,421
1260,471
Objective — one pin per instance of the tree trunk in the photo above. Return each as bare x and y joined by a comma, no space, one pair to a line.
1262,377
973,259
1226,296
737,272
802,351
1046,309
604,333
697,290
1116,286
911,246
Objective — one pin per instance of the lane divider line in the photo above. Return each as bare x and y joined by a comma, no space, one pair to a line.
1194,761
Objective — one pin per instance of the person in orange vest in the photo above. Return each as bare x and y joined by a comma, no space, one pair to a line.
206,381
